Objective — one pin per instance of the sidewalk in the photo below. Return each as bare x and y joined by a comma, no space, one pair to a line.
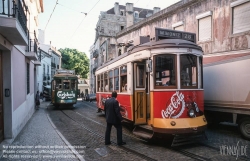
39,140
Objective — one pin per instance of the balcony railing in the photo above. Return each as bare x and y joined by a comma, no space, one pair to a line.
53,65
16,9
46,77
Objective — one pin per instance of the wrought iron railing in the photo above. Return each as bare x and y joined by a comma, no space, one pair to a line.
53,65
16,9
46,77
33,46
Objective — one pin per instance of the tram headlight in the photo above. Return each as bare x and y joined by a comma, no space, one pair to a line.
173,123
191,113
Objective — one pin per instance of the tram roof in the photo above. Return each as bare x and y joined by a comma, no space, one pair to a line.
65,75
164,43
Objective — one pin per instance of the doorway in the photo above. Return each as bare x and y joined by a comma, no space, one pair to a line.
140,93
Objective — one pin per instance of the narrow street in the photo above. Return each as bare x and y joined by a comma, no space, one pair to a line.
82,126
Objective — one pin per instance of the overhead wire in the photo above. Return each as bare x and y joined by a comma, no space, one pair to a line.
71,8
83,19
51,15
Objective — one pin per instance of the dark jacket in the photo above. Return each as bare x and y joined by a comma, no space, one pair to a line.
112,111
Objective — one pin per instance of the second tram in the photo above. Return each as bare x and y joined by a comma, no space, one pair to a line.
64,88
159,85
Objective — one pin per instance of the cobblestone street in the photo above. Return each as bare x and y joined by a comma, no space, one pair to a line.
80,127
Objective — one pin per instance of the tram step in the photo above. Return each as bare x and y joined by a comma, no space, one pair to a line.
188,139
143,131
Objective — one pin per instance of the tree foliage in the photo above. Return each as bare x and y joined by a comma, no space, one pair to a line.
73,59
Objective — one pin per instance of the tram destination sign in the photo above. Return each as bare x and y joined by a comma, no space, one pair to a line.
161,33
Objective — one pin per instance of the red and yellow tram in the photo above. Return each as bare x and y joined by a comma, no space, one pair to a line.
159,85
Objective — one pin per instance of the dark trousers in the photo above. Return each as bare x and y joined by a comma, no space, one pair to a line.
118,131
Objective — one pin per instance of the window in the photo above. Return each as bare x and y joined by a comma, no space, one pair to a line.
43,69
122,13
204,26
122,27
201,72
136,14
165,71
111,80
106,85
101,82
123,71
73,84
28,78
188,70
58,84
98,83
140,78
116,79
47,69
240,18
66,84
178,26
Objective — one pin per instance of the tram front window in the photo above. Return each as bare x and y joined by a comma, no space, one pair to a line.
188,73
58,84
66,85
165,70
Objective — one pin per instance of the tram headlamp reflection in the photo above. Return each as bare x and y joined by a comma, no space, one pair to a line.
191,113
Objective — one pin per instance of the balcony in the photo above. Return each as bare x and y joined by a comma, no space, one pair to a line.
46,77
13,21
32,50
53,65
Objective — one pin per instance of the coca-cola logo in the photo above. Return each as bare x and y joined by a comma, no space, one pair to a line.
176,106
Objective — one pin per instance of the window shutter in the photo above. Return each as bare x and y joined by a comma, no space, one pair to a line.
205,28
241,18
179,28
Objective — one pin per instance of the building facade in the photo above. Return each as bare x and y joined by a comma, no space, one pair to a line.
109,24
18,61
50,62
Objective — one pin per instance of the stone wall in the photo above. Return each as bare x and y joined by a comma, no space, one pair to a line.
186,11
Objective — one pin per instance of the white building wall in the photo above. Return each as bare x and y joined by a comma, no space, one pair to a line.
19,106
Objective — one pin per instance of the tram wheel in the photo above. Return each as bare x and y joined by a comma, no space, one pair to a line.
245,128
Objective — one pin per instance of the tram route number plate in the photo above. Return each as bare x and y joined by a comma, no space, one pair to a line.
176,34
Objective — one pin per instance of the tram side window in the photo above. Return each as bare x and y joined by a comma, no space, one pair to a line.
58,84
53,84
116,79
73,84
106,86
200,75
111,80
101,82
165,69
188,67
123,70
98,83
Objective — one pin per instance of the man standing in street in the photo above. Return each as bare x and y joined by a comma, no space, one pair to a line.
113,117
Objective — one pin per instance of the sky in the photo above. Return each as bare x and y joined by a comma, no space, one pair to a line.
66,24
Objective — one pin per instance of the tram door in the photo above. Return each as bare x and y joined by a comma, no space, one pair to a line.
140,93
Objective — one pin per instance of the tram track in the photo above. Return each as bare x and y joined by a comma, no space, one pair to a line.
177,150
102,137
